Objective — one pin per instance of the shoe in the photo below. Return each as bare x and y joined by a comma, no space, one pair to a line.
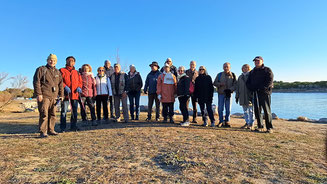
186,123
43,135
171,120
270,131
53,133
157,119
251,128
94,123
258,130
132,117
137,118
213,124
227,124
112,116
148,119
244,126
117,120
205,124
164,120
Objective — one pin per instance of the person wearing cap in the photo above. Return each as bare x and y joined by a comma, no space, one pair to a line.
72,82
48,87
225,83
109,71
166,91
244,97
172,68
193,74
88,94
203,92
104,91
183,94
260,82
119,91
150,88
134,85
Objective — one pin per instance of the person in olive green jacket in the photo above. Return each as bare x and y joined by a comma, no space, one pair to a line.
225,83
244,97
48,88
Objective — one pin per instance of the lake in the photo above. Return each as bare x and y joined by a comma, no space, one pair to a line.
285,105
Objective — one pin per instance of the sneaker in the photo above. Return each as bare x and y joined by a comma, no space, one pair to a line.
171,120
186,123
53,133
205,124
148,119
270,131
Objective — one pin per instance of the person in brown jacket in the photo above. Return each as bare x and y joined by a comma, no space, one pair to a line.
225,83
193,74
48,87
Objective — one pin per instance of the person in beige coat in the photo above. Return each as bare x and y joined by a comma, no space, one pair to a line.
244,97
225,83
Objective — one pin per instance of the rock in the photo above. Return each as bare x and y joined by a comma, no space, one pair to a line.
322,120
215,109
238,115
274,116
177,112
302,118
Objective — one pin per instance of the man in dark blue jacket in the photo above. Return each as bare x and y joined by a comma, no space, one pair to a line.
260,82
150,87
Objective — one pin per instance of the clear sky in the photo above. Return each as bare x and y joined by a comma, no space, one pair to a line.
291,35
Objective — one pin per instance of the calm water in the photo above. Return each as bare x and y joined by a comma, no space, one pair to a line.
285,105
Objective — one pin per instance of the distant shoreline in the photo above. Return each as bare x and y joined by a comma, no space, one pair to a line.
317,90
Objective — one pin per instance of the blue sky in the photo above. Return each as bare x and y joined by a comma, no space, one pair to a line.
291,35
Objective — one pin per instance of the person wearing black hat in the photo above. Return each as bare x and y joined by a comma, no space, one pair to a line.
150,88
260,82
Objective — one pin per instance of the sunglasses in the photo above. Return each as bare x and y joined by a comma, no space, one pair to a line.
181,70
101,70
201,69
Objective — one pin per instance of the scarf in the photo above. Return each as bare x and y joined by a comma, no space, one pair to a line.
180,76
169,79
131,75
70,68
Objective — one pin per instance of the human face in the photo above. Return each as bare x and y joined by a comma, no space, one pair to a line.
101,71
192,65
70,62
226,68
258,63
180,71
245,69
167,69
86,69
201,71
169,62
52,62
154,68
117,69
132,69
108,64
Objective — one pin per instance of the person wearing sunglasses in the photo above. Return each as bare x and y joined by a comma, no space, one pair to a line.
203,92
183,93
103,89
193,74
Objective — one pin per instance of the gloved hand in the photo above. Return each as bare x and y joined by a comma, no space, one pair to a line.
67,90
228,93
159,97
236,100
79,90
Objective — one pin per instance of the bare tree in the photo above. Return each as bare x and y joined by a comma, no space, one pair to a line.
3,77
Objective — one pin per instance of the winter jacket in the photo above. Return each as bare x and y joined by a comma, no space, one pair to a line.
151,82
167,91
183,86
73,80
45,80
203,89
109,71
243,94
192,74
225,81
103,85
261,80
88,85
119,86
173,70
134,82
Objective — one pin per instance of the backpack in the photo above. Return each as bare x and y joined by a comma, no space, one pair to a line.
233,74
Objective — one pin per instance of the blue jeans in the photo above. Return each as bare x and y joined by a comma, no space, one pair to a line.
134,96
224,102
73,118
248,114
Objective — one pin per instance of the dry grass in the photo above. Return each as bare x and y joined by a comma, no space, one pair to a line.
141,152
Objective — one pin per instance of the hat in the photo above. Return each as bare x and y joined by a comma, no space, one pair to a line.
154,63
117,64
52,56
258,58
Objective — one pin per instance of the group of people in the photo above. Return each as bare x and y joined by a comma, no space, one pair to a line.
74,87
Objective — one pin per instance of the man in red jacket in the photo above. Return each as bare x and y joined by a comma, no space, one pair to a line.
72,83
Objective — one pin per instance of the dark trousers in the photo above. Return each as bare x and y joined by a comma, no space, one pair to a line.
111,107
63,114
264,103
47,118
134,96
153,98
168,110
89,102
209,112
183,106
102,99
194,105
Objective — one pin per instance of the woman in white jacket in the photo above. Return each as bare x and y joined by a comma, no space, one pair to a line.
103,86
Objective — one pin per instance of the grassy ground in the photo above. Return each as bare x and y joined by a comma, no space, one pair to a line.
141,152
